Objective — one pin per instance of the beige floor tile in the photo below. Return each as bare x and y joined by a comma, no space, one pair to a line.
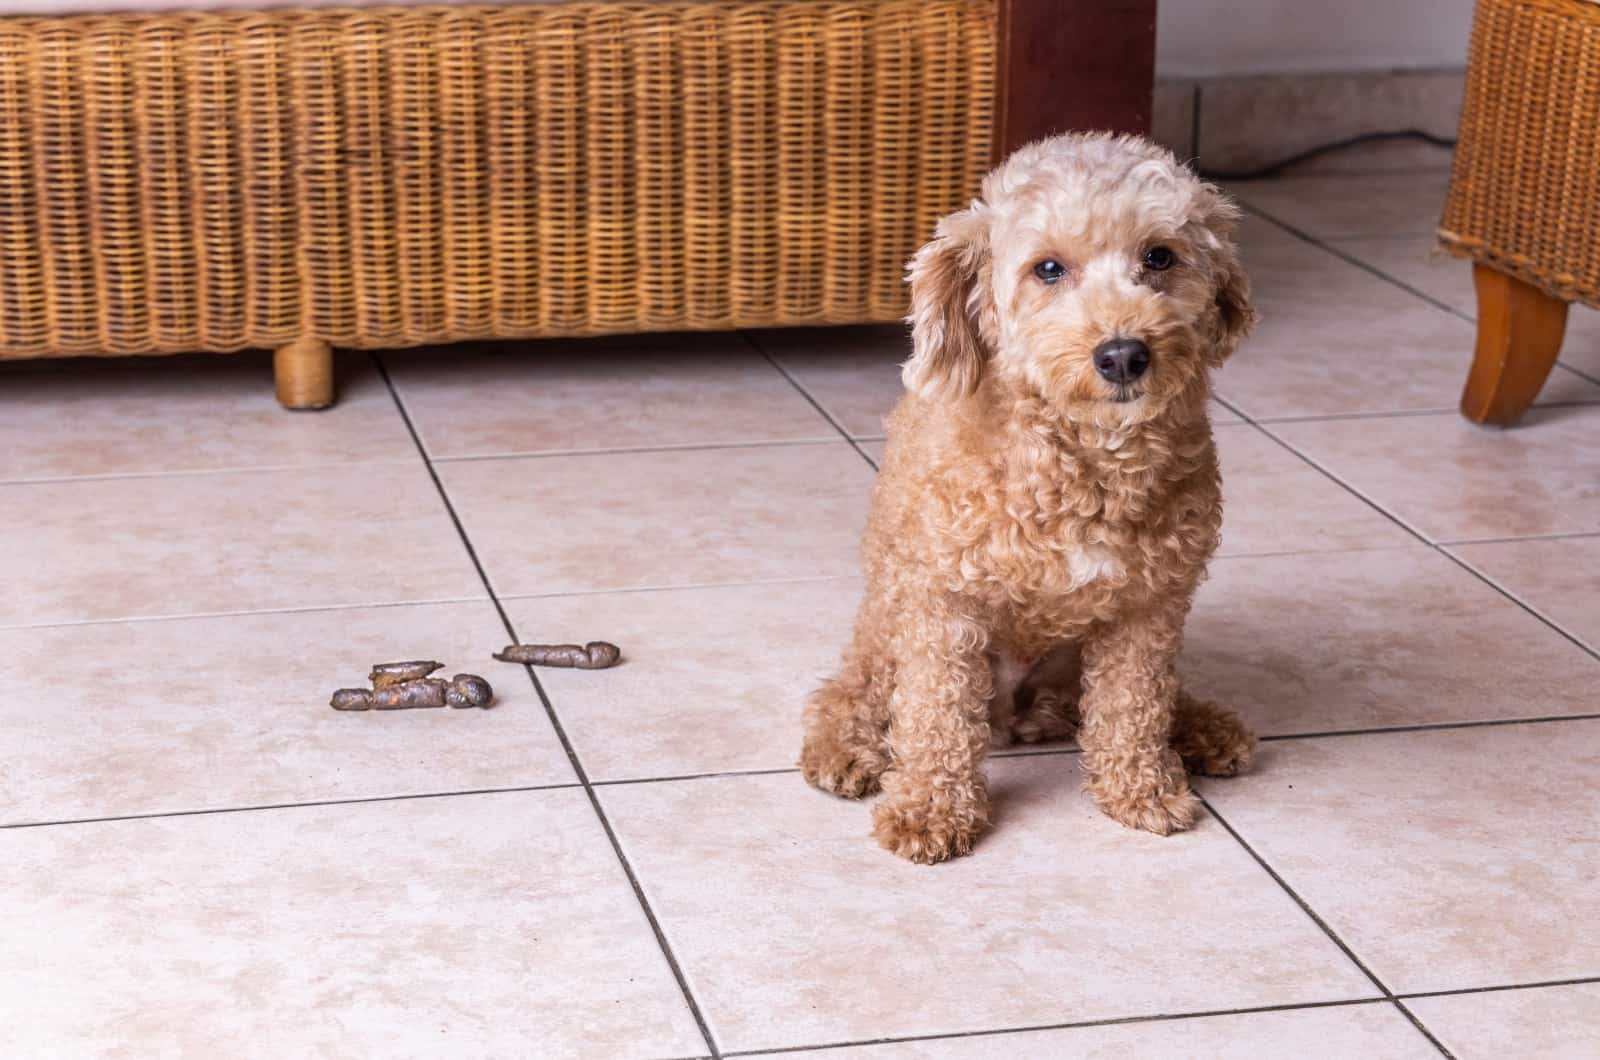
119,416
1445,859
1552,1022
487,925
1338,207
1580,348
194,714
812,934
1276,502
506,398
1319,643
854,373
1222,416
1558,578
713,679
1417,261
229,541
544,525
1336,340
1453,481
1375,1031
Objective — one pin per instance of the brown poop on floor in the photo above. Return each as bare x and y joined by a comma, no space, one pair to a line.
399,685
595,655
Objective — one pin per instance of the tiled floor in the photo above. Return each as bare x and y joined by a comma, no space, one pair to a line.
199,858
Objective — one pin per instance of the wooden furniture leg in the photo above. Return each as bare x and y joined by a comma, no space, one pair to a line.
304,374
1068,65
1519,335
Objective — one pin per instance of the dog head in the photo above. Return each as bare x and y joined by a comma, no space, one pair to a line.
1095,271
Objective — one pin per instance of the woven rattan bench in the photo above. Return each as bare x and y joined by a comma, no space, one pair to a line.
390,176
1524,202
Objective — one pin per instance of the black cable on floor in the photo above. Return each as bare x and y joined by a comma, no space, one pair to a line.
1276,168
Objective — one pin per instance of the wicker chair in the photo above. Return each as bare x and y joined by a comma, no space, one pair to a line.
390,176
1524,202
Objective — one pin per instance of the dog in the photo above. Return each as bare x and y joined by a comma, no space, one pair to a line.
1048,501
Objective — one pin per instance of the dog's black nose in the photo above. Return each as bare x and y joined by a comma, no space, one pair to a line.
1121,361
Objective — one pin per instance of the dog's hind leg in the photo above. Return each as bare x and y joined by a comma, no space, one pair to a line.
1210,738
846,744
1047,702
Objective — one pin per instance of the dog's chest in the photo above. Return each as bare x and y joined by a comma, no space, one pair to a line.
1087,564
1068,552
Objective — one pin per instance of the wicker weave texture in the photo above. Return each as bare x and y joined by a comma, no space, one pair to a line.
393,176
1525,191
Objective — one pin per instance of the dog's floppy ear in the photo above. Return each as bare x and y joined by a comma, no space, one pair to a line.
1235,315
952,308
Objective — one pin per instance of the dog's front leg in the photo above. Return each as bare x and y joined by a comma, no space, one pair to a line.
1130,689
935,801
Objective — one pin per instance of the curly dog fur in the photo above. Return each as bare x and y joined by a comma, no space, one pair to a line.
1030,513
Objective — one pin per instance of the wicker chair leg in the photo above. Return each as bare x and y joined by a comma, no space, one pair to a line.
304,373
1519,335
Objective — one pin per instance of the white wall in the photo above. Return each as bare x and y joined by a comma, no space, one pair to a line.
1209,38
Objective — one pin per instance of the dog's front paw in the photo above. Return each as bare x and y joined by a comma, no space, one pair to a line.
1163,806
1162,814
839,768
929,830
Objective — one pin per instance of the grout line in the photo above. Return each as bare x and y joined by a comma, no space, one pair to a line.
672,778
1022,751
1423,1030
1115,1021
1424,539
1579,372
1346,550
1305,906
1541,719
1500,988
1399,414
804,580
824,413
1231,407
1330,245
156,814
1565,536
198,472
1034,751
201,615
623,450
1351,259
1333,936
1514,598
1453,558
560,730
715,775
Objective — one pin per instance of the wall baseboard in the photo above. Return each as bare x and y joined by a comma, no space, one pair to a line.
1241,123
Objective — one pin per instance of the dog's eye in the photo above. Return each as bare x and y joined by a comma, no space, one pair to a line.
1158,259
1049,270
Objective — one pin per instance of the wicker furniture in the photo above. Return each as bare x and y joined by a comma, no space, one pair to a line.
391,176
1524,202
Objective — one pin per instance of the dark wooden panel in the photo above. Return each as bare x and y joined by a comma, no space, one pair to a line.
1073,64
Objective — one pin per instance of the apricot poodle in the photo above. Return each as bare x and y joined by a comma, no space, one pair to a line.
1048,501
